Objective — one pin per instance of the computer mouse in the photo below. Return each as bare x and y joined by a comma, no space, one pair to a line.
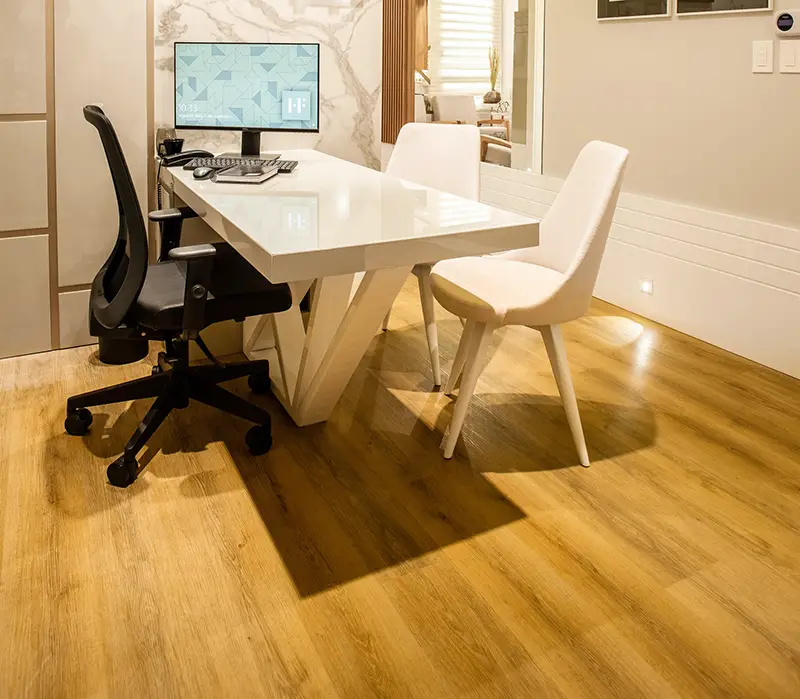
203,173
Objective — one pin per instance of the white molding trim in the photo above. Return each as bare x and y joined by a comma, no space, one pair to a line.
728,280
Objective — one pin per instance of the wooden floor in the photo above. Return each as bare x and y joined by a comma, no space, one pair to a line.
353,561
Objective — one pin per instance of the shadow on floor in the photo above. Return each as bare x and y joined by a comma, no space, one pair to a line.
365,492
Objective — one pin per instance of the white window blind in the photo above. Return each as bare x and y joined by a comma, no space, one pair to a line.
461,34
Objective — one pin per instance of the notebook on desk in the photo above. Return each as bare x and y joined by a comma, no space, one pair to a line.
247,174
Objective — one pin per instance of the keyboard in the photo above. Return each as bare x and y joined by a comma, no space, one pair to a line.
284,166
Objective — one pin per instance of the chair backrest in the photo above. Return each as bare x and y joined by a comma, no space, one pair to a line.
119,281
455,108
446,157
573,235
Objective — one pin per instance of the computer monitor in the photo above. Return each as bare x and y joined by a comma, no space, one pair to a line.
247,87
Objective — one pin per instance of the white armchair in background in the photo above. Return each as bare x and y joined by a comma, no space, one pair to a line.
460,109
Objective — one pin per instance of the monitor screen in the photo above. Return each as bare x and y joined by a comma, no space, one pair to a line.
270,87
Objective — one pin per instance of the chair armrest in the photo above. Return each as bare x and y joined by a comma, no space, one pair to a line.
494,140
199,261
491,122
170,221
172,214
487,140
193,252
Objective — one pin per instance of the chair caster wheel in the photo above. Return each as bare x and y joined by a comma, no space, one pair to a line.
123,472
259,439
260,383
78,422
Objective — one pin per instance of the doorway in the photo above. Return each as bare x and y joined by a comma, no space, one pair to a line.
436,53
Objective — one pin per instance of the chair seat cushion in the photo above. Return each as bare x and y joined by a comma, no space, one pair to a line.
498,155
494,290
237,291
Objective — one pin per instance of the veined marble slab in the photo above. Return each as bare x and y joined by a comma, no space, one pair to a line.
350,36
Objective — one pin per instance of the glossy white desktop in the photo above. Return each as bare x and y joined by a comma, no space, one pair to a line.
357,233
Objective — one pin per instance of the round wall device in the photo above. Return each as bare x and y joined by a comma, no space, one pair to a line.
787,23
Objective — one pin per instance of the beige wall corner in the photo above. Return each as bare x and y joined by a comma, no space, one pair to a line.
702,129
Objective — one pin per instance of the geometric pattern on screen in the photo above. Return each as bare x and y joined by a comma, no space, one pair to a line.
257,86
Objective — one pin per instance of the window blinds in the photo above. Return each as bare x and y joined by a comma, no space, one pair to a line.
461,34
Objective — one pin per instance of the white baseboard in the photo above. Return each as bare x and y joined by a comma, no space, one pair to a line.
730,281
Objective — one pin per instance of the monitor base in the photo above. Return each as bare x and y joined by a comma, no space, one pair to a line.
261,156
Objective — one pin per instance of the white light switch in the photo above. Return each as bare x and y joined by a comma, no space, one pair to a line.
763,56
790,56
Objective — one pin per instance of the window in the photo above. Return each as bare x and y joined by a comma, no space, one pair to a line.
461,34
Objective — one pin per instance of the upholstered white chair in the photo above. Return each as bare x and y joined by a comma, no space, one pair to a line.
460,109
539,287
443,157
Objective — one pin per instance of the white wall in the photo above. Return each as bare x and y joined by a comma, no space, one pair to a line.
58,214
24,202
728,280
23,187
22,55
24,295
711,203
702,129
101,58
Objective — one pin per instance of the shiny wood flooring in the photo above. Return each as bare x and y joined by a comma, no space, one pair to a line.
353,561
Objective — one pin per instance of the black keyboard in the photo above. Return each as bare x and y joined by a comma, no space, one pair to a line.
284,166
222,163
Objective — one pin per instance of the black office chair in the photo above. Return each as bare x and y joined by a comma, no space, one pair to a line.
171,301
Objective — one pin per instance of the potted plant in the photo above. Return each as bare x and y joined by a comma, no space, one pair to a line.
493,96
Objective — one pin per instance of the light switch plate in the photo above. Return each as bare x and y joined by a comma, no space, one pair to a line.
763,56
789,59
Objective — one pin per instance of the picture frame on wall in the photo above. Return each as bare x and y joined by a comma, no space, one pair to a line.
717,7
633,9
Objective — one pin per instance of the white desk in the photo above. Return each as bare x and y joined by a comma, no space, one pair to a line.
328,221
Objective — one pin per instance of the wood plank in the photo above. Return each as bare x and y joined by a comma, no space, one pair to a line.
353,561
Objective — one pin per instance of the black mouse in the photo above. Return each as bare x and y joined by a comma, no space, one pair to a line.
203,173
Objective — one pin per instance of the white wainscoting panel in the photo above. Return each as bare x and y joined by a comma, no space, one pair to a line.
23,179
730,281
24,295
73,311
101,58
22,57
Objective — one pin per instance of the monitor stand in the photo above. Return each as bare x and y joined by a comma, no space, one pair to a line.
251,147
251,143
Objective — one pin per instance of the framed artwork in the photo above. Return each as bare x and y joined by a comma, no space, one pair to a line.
632,9
707,7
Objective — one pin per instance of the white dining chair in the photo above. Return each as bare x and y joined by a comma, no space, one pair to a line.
444,157
541,287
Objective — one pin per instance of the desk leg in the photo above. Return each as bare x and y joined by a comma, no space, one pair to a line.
346,314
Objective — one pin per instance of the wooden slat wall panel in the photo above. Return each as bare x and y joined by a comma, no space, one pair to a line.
398,67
